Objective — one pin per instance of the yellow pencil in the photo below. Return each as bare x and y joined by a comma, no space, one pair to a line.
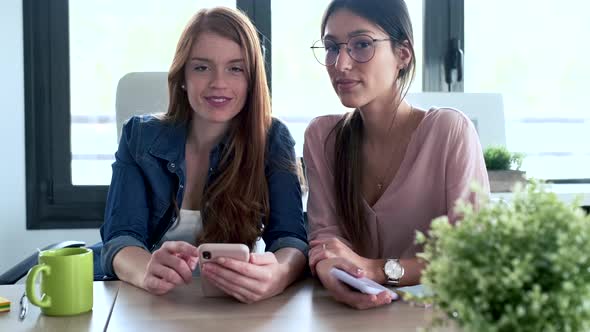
4,304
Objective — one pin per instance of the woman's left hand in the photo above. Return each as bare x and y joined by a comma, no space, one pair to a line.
334,248
260,278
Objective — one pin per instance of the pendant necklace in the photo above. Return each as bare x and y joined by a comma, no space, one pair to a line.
381,180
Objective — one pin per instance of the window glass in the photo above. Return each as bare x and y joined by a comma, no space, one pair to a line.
534,54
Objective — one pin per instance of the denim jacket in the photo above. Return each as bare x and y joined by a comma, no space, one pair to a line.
149,169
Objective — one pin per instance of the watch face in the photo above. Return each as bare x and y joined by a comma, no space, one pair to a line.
393,269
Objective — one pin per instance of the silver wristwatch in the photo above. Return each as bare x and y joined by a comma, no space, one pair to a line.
394,271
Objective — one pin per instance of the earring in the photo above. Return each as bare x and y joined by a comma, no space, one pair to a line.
402,70
183,87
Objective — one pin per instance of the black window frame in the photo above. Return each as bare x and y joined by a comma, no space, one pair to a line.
52,201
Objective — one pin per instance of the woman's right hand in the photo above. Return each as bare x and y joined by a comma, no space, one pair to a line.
171,265
341,292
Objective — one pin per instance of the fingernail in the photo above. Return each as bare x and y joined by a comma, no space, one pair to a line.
221,260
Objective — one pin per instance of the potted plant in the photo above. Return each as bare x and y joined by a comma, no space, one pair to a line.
503,168
518,266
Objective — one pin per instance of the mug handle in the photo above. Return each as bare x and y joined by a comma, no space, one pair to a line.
45,301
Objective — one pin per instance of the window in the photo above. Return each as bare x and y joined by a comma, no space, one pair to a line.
76,51
537,59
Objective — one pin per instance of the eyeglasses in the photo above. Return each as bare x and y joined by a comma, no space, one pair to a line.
360,48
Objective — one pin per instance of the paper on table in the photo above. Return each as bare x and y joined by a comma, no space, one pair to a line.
418,295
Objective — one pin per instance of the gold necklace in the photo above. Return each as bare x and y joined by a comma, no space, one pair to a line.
381,180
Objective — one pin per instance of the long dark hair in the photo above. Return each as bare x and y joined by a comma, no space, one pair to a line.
237,201
393,17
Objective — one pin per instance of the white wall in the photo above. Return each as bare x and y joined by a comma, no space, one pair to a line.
15,241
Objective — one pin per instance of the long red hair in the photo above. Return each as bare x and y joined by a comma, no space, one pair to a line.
236,204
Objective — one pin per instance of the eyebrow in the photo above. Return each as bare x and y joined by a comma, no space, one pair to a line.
209,60
352,33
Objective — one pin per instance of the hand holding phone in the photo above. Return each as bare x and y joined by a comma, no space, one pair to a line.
364,285
210,251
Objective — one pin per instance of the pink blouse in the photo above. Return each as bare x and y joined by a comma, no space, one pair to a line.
442,159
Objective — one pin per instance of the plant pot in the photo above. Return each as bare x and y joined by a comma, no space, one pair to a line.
504,181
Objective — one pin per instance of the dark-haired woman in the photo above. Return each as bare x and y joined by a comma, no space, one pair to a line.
381,172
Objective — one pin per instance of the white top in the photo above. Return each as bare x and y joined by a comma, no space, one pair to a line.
186,228
189,225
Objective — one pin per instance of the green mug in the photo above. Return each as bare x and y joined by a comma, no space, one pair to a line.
66,283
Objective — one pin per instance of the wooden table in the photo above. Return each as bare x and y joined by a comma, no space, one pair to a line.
305,306
105,294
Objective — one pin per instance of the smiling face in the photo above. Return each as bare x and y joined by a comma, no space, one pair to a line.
215,78
359,84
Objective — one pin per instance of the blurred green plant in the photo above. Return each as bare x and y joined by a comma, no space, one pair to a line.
518,266
499,158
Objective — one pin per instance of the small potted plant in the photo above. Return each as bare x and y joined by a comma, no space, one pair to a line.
517,266
503,168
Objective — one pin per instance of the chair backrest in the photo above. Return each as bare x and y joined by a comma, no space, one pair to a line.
486,111
140,93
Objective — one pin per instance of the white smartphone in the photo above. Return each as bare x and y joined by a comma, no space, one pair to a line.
364,285
210,251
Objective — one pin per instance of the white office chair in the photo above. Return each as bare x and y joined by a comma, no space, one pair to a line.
486,110
140,93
